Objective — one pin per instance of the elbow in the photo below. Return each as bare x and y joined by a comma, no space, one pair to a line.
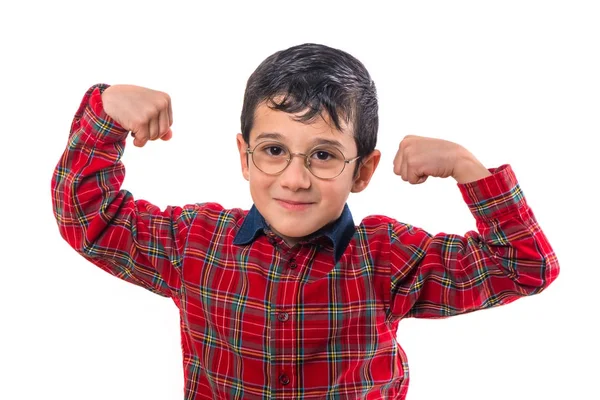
550,270
536,277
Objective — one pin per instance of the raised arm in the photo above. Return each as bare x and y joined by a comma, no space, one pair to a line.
133,240
441,275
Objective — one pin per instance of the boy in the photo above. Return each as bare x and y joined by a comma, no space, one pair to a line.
290,299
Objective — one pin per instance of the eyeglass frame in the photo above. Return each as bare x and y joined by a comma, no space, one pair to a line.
292,155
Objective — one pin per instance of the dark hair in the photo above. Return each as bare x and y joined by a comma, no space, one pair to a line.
318,79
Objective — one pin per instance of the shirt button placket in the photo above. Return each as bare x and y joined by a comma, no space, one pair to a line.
284,379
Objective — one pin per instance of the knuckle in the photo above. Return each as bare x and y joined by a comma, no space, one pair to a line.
139,122
145,116
164,103
154,111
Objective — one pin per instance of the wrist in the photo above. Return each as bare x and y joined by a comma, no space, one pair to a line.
469,169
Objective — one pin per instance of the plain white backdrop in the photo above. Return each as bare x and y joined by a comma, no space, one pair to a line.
515,82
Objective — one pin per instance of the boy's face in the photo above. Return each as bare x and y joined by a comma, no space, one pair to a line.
295,203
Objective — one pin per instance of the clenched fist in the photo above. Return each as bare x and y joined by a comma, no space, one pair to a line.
145,112
420,157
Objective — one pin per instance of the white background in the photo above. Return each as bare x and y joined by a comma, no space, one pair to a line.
515,82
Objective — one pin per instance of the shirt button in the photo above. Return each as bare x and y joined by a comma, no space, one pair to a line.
284,379
283,316
293,265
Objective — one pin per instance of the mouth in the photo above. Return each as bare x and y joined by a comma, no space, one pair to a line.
293,205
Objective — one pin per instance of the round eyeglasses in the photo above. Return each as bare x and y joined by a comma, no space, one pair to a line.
323,161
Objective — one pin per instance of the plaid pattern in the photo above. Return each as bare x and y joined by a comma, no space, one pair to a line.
260,320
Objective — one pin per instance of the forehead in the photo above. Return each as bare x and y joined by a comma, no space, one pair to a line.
273,124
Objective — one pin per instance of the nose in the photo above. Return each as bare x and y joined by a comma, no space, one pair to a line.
295,177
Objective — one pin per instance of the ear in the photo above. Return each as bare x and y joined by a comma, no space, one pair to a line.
365,171
242,146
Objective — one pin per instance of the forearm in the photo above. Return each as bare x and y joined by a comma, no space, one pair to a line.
89,173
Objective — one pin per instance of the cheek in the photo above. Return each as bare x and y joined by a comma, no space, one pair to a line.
259,184
345,181
335,193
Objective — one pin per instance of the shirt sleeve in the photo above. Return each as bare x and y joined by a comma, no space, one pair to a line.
506,258
131,239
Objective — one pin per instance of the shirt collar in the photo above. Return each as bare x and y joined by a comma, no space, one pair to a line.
339,232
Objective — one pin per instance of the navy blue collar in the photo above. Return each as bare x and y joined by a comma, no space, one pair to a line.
339,232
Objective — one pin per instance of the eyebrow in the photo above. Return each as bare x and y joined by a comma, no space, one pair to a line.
315,142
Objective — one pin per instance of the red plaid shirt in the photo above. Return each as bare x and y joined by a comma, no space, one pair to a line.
261,320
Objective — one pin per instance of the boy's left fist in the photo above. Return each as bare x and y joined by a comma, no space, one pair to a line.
420,157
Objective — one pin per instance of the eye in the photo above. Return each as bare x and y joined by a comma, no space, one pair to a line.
323,155
274,150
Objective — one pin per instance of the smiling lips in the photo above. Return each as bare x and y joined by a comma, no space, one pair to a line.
293,205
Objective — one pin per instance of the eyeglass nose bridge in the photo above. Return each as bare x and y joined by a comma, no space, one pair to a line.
302,155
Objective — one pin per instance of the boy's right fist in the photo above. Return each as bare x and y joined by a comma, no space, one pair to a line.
145,112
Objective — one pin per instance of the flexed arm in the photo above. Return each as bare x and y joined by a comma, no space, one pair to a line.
508,257
131,239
